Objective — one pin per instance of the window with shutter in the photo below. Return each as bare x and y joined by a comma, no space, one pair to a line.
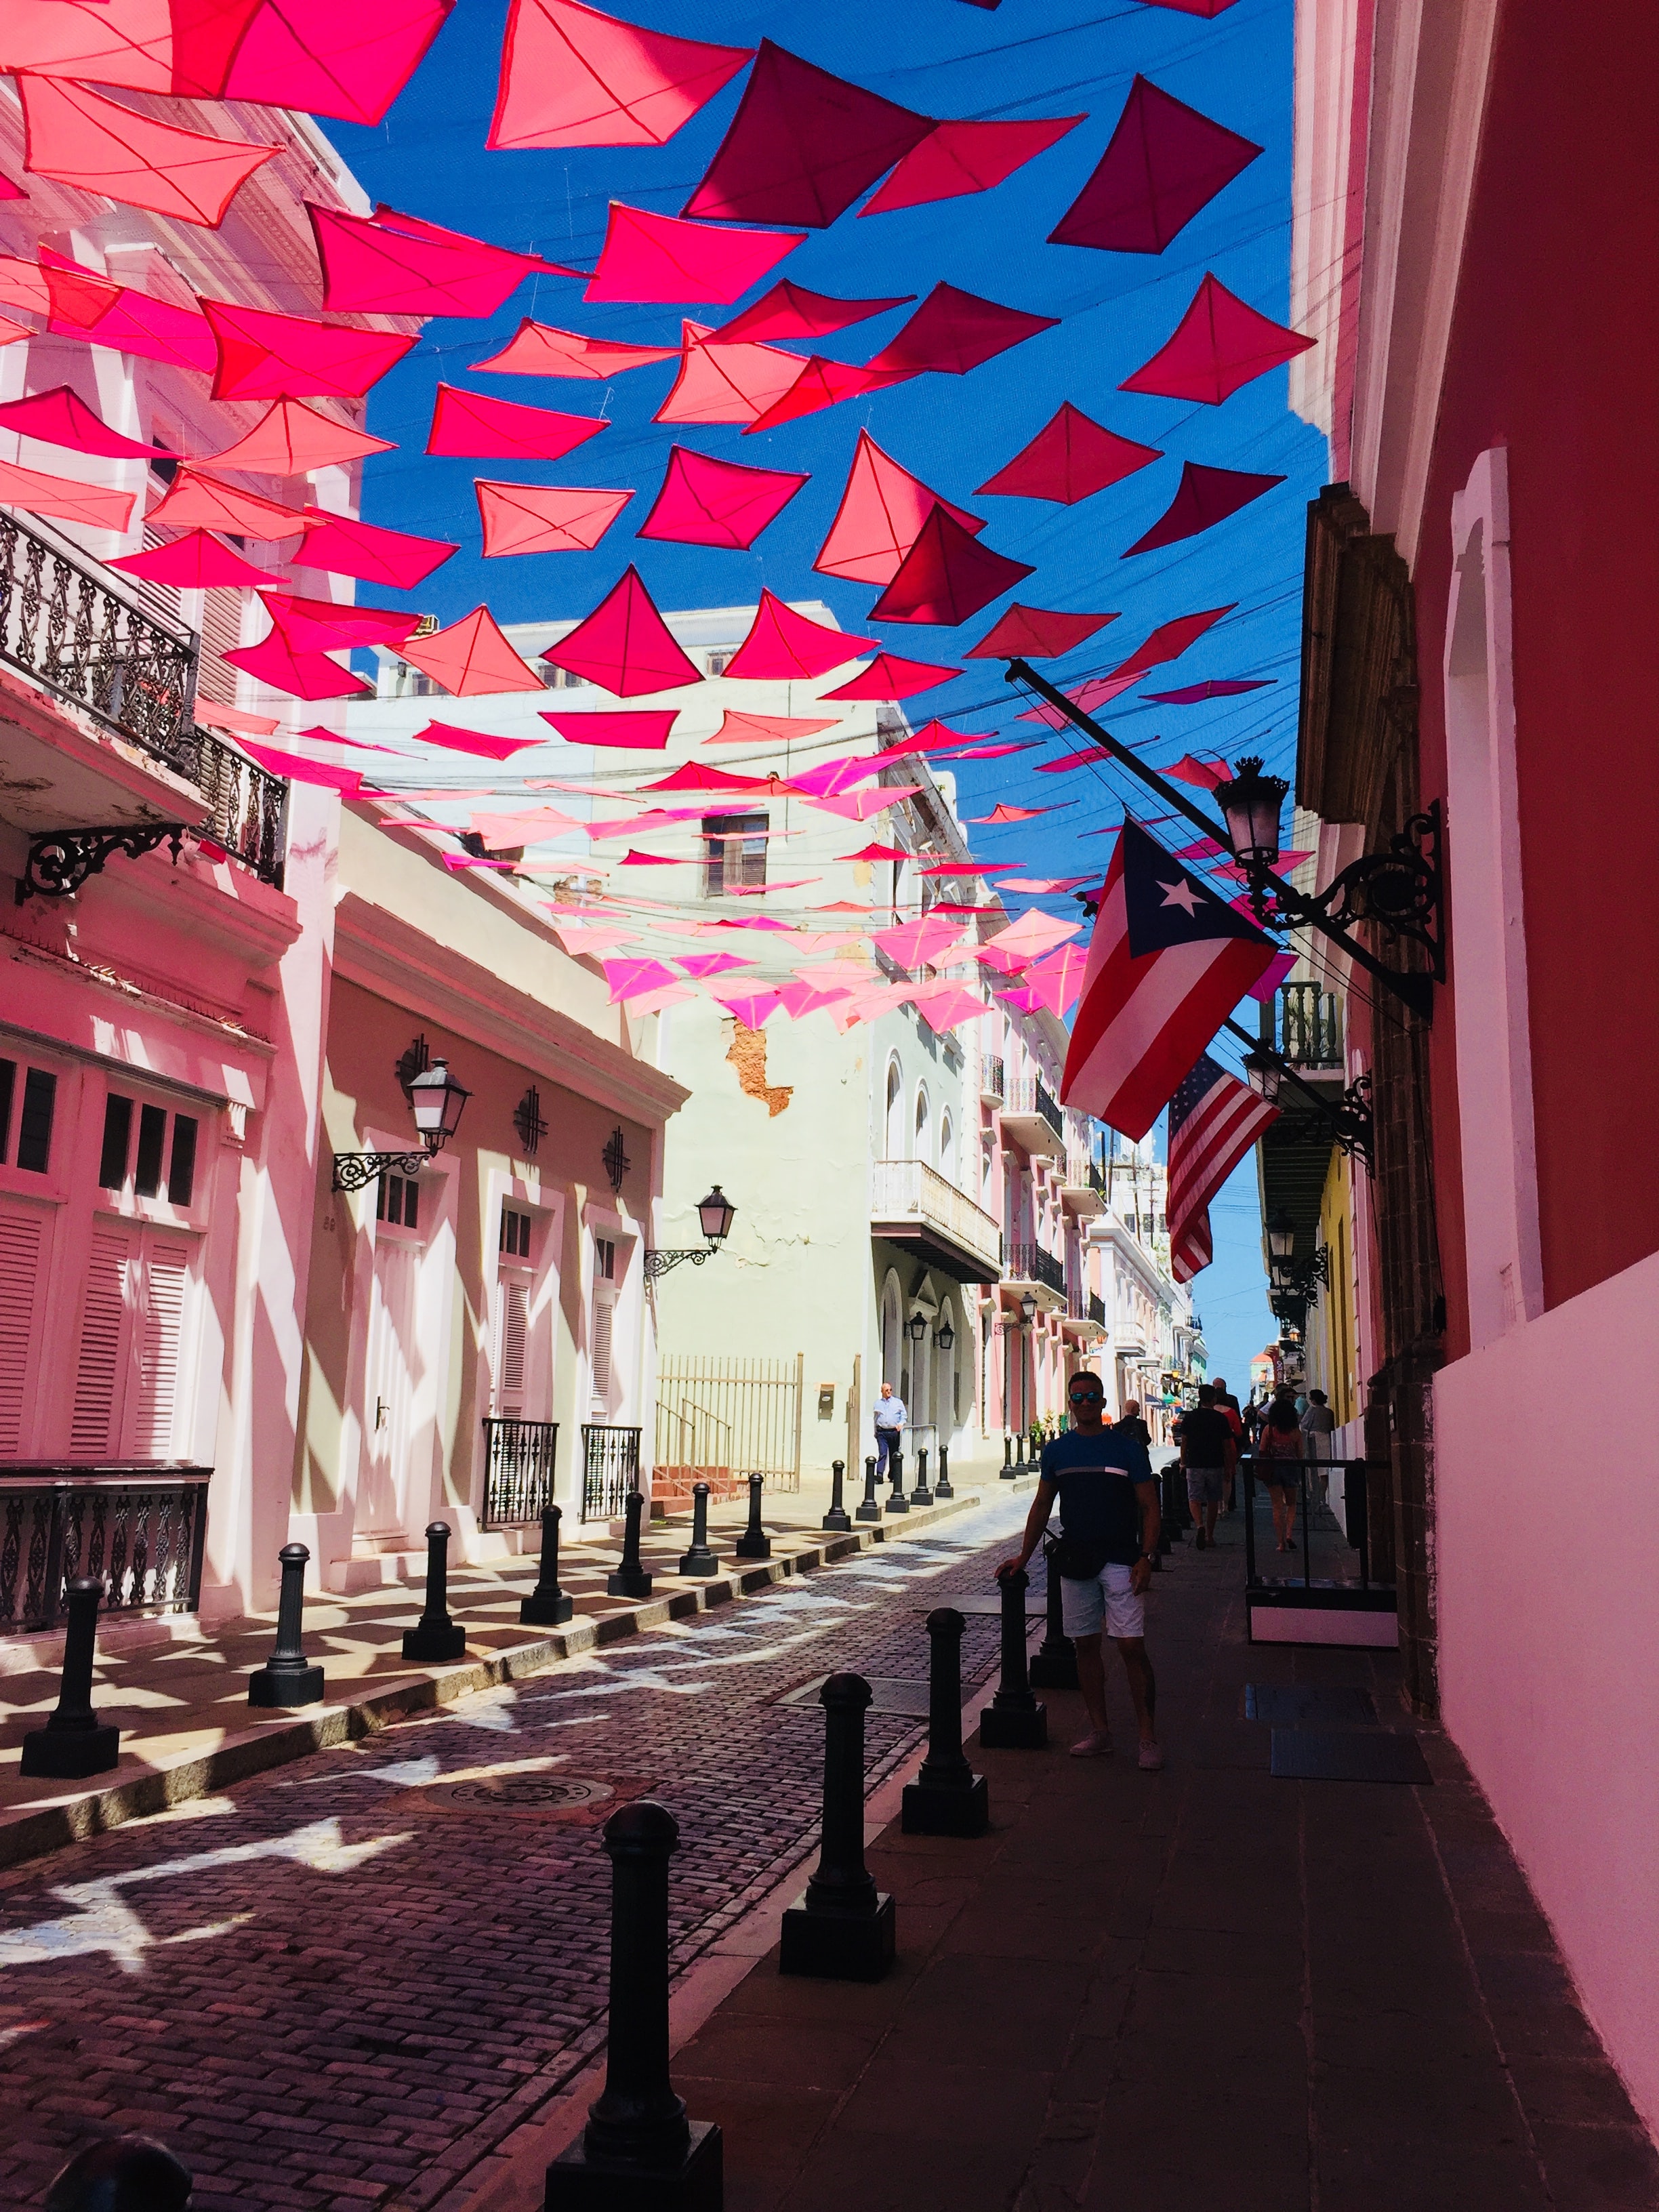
603,1307
221,632
510,1343
22,1252
106,1303
152,1420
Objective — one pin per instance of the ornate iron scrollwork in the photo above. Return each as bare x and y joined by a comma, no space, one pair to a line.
356,1170
659,1263
530,1122
1400,890
616,1160
60,861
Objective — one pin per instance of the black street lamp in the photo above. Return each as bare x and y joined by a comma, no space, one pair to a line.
916,1328
715,1214
1028,1307
1265,1072
1281,1234
436,1100
1348,1119
1250,806
946,1336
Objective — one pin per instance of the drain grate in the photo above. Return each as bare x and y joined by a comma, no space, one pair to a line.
543,1796
888,1693
1299,1705
1302,1754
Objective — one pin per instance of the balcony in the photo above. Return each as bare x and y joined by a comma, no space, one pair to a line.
1308,1025
141,1526
1085,1314
1084,1190
518,1461
911,1203
1033,1119
1030,1268
990,1083
70,789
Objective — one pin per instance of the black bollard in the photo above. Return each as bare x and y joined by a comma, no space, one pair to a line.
75,1742
942,1489
1014,1720
947,1798
836,1518
1054,1664
921,1495
896,1500
1008,1469
840,1929
871,1509
288,1677
754,1543
547,1605
639,2153
435,1635
699,1560
123,2173
629,1579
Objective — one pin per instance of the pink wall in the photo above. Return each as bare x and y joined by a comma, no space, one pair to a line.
1548,1550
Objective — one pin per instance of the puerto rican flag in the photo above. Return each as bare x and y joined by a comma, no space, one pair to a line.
1213,1120
1168,963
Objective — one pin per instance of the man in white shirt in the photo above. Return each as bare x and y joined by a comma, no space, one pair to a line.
890,1418
1318,1425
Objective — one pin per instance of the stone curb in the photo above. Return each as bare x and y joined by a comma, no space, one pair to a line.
32,1832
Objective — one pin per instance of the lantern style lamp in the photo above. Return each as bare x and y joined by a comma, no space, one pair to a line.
1250,806
1281,1234
1264,1074
916,1328
946,1336
437,1099
1028,1307
715,1213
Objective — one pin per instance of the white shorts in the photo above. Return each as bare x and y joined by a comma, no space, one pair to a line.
1105,1598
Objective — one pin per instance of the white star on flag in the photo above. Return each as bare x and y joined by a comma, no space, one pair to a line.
1184,895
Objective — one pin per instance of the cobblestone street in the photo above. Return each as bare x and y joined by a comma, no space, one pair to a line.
342,1983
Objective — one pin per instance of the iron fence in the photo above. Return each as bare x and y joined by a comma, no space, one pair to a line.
141,1530
610,1468
990,1079
518,1457
1097,1308
1030,1263
247,806
719,1415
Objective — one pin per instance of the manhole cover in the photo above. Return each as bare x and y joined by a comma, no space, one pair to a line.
523,1793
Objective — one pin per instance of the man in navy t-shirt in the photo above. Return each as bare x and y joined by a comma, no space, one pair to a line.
1102,1479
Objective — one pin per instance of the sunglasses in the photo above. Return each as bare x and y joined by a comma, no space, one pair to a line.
1088,1397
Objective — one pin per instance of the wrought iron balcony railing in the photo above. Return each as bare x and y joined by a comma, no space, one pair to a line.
141,1529
1028,1094
1030,1263
1310,1026
518,1457
610,1468
1097,1308
991,1082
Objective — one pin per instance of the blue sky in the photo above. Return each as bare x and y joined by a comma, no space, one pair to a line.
945,59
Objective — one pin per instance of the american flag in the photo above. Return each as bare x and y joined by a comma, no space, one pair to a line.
1168,963
1213,1122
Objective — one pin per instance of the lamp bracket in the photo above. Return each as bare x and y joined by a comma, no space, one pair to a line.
661,1263
1400,890
60,862
356,1170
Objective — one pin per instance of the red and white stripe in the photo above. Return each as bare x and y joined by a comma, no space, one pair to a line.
1204,1150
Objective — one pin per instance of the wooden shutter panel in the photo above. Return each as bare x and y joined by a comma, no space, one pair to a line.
23,1243
152,1420
603,1307
221,632
106,1303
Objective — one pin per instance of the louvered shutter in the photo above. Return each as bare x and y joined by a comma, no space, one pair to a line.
514,1331
603,1307
153,1402
23,1246
221,632
106,1303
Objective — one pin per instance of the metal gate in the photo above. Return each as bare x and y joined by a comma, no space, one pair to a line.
610,1468
721,1416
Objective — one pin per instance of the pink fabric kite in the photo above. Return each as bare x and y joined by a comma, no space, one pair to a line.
193,503
917,944
124,42
292,440
571,76
825,779
1207,776
262,356
806,994
1171,639
529,828
194,563
702,966
874,852
75,136
865,805
1164,163
299,767
390,265
1035,634
326,625
790,311
782,645
628,977
1034,933
544,518
64,499
952,332
957,158
992,752
1070,459
480,742
274,662
325,59
693,775
933,737
1056,980
802,146
824,384
538,350
503,430
1010,814
719,383
1219,344
969,867
82,304
888,677
1070,765
59,417
658,257
630,858
471,658
624,646
946,577
880,517
1221,688
343,546
750,1008
1095,693
948,1007
704,502
643,731
738,729
1203,498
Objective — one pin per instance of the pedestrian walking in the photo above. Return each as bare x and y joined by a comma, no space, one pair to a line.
1228,1407
1108,1513
1279,1450
1318,1426
890,1418
1133,1425
1206,1443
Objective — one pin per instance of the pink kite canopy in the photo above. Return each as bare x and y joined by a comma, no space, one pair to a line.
301,675
544,518
947,575
1010,814
704,502
1164,163
880,517
658,257
917,944
874,852
933,737
694,776
1089,696
957,158
294,439
802,146
643,730
83,305
947,1007
1219,344
326,625
503,430
824,384
704,965
738,729
1070,459
1171,639
1221,688
1035,634
624,646
343,546
471,658
75,136
750,1009
627,978
1207,776
888,677
481,741
721,383
784,646
264,357
64,499
124,42
859,805
790,311
193,503
538,350
571,76
194,563
1208,9
825,779
384,265
59,417
299,767
316,56
1203,497
952,332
